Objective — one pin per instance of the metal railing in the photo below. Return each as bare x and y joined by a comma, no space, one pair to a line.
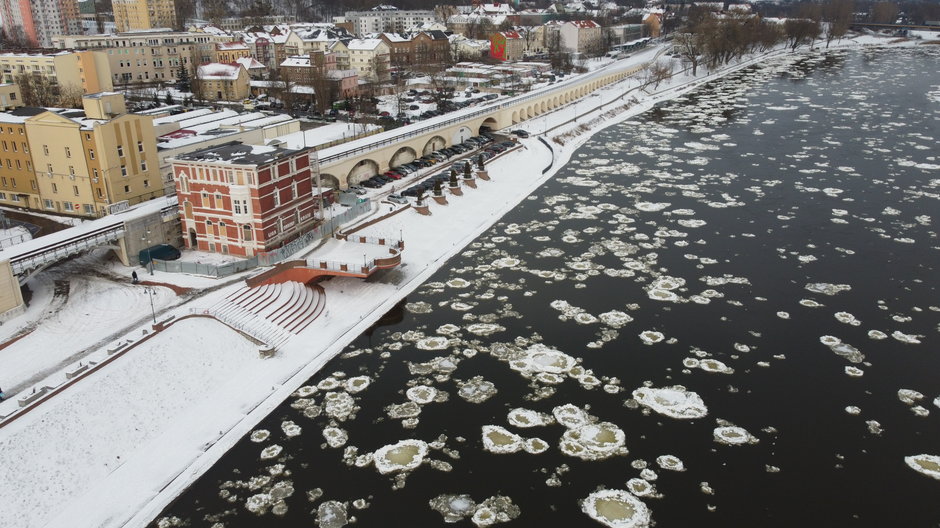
486,110
268,258
44,255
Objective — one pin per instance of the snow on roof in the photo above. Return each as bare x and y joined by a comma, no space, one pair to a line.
384,7
237,45
584,24
364,44
511,34
297,61
336,75
495,9
249,63
396,37
324,135
215,70
239,153
178,118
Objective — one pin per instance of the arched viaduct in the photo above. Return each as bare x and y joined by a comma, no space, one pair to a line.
350,163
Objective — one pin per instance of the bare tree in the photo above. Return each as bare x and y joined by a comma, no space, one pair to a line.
838,16
690,47
884,12
185,10
70,96
36,90
800,31
658,72
198,88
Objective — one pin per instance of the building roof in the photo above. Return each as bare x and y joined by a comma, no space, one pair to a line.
584,24
249,63
364,44
215,70
297,61
240,154
237,45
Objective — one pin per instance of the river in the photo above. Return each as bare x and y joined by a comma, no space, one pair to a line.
726,308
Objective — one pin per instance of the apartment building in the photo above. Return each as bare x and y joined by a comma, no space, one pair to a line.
229,52
425,48
316,37
224,82
581,36
88,70
36,22
85,160
149,56
370,58
18,186
507,45
267,47
242,199
133,15
386,19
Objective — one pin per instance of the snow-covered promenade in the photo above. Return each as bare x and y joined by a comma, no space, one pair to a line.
117,447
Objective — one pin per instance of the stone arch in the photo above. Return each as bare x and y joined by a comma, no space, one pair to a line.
462,134
402,156
515,116
328,181
363,170
490,123
542,107
435,143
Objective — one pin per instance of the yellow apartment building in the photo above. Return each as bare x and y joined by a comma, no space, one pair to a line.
88,70
18,186
130,15
86,160
224,82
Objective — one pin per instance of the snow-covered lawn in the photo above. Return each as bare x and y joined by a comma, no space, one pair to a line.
99,423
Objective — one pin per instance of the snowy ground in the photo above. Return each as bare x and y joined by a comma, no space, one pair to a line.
117,447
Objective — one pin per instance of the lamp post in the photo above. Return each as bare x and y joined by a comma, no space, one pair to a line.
153,312
146,241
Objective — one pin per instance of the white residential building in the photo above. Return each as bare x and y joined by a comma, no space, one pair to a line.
370,58
387,19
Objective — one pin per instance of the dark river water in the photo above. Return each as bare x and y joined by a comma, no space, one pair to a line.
726,308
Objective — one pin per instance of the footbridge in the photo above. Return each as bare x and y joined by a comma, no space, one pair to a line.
352,162
128,232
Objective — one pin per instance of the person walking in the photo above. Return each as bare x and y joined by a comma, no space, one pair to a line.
134,277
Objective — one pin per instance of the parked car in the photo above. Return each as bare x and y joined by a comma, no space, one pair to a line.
158,252
357,189
397,198
521,133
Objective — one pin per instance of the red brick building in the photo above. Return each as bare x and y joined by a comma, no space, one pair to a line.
244,199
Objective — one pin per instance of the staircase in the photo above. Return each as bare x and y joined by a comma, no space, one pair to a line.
271,313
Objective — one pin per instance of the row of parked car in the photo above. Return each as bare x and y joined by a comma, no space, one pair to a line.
491,149
438,156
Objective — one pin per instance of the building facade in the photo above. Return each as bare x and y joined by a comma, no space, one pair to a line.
241,199
86,160
18,186
86,70
148,56
133,15
387,19
223,82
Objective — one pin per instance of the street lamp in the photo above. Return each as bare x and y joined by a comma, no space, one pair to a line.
149,291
